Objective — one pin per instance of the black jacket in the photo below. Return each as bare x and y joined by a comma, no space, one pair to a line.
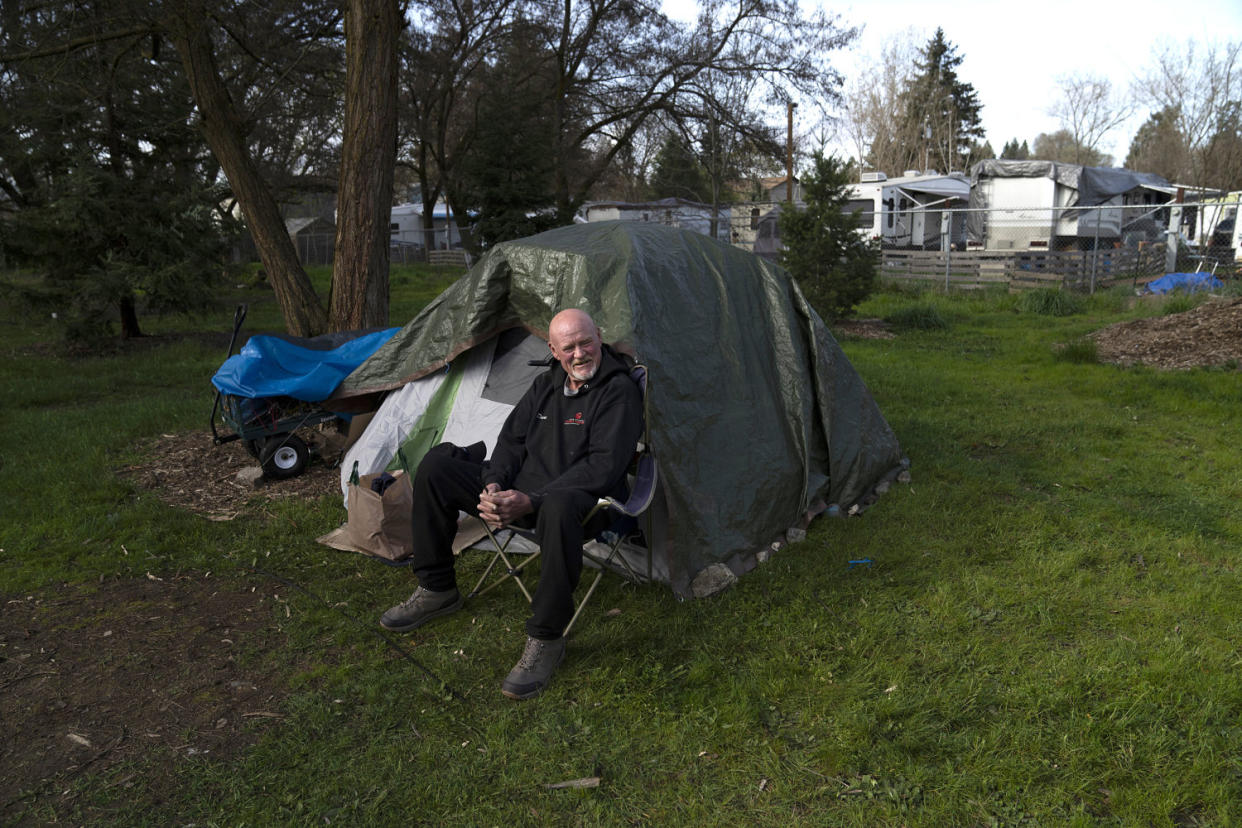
551,441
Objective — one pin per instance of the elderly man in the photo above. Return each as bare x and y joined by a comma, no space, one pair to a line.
567,442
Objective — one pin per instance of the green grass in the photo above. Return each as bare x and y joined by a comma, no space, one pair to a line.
923,317
1047,634
1051,302
1080,351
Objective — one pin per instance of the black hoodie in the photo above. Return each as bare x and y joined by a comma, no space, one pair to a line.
551,441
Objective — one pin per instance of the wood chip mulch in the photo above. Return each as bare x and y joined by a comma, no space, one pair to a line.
1209,335
189,471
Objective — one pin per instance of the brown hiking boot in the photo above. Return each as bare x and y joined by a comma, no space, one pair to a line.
530,675
420,608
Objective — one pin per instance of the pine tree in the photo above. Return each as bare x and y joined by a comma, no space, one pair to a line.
834,264
942,108
1159,148
678,172
1013,151
109,190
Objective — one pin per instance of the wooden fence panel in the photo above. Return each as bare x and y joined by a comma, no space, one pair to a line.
1025,269
460,258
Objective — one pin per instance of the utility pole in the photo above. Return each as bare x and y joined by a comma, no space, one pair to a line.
789,176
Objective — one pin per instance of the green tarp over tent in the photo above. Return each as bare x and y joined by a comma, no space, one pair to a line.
757,418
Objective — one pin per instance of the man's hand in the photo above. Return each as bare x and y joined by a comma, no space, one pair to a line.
497,507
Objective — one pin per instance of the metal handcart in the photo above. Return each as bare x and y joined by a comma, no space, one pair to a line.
267,425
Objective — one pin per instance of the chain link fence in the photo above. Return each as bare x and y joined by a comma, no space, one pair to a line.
1078,248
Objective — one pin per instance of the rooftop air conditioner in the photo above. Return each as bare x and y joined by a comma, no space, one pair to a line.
872,177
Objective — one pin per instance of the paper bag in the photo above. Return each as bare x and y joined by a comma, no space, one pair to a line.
378,523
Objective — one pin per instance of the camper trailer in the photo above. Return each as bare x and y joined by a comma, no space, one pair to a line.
406,227
671,212
1023,205
907,211
1217,232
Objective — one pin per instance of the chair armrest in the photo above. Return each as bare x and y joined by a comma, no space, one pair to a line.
643,490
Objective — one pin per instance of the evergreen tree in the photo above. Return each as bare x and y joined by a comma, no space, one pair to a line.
1158,147
109,245
678,172
507,175
107,183
1013,151
1223,153
833,263
941,108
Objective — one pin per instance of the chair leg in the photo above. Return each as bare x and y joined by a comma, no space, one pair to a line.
511,571
582,604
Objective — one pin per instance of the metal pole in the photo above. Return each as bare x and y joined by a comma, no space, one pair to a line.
1095,250
1234,253
1174,230
946,243
789,176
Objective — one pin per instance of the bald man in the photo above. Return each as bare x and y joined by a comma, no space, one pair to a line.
567,442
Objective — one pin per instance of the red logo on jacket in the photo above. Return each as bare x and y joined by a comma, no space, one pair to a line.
575,420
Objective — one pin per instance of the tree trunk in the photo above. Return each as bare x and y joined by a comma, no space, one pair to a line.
430,195
222,126
368,155
129,318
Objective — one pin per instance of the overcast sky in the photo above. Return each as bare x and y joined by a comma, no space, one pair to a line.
1013,54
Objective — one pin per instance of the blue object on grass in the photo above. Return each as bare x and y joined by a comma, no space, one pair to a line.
272,366
1189,282
860,562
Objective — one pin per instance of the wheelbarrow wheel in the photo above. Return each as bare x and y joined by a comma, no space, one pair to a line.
284,456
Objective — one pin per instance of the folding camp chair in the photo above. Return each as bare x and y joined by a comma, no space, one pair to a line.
610,523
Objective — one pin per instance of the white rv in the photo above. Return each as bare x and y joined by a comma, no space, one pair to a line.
1022,205
1217,232
406,227
673,212
907,211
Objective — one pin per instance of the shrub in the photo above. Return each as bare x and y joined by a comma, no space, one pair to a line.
1051,302
922,317
1180,302
1082,351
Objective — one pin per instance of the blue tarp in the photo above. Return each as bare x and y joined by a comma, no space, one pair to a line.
270,366
1188,282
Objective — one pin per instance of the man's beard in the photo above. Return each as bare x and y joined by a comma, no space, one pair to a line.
582,373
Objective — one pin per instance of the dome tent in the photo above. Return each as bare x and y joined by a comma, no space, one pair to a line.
756,417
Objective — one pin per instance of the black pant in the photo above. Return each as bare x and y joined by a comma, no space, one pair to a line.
448,481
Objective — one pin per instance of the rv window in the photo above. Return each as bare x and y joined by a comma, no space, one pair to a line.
754,218
394,228
864,208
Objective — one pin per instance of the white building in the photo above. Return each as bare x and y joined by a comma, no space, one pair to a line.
406,226
673,212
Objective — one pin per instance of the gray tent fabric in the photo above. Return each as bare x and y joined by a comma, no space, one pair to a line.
756,417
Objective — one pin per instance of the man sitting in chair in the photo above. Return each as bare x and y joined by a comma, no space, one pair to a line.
568,442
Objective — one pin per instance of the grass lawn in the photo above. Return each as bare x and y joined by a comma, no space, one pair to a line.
1046,631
